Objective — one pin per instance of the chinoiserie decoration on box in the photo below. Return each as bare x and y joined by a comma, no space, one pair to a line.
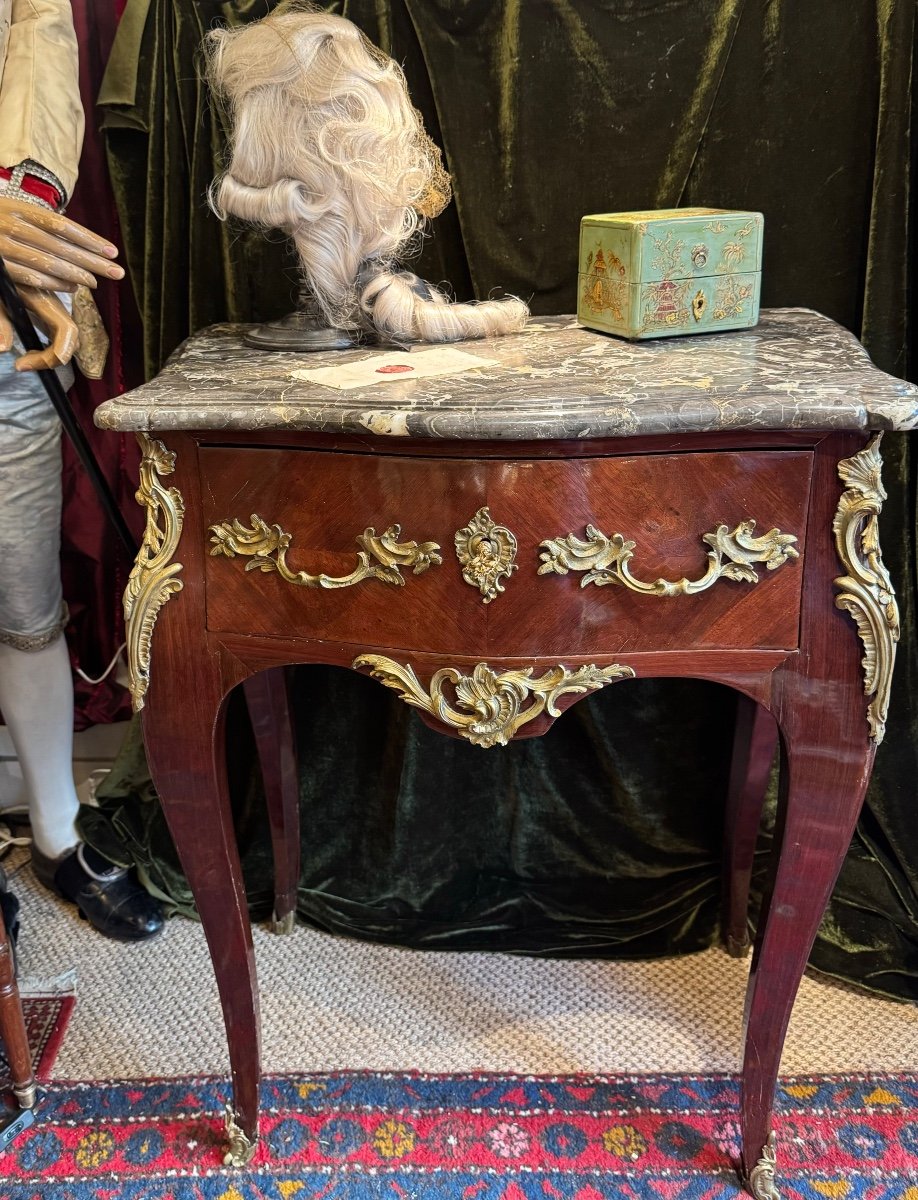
670,271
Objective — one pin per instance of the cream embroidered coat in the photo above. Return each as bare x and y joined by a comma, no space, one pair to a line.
40,113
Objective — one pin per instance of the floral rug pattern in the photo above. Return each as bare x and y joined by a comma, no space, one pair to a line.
370,1136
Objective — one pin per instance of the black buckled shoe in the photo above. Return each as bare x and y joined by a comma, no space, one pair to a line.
106,895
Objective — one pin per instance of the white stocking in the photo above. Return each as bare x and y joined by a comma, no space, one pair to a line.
36,696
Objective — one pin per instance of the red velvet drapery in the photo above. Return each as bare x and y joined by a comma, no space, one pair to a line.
93,564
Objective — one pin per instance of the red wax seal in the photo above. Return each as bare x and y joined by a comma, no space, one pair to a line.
394,369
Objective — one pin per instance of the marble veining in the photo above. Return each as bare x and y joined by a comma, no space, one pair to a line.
795,370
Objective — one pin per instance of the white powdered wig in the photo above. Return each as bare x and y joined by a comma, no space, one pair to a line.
327,146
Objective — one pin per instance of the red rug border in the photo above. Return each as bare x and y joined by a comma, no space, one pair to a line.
96,1135
53,1042
536,1077
45,1045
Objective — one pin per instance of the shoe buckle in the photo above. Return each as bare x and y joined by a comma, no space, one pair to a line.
100,876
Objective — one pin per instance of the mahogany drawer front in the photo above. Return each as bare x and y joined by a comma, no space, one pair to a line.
663,503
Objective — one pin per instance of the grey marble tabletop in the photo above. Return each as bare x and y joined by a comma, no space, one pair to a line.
794,370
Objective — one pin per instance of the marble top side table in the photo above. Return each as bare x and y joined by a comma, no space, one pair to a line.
573,513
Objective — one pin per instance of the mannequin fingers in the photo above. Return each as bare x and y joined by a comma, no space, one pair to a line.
24,276
57,354
61,329
60,251
59,225
6,333
31,258
37,360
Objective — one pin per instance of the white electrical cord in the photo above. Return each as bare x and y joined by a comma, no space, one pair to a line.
108,670
8,841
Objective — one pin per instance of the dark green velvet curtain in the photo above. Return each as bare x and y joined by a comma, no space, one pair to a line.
603,838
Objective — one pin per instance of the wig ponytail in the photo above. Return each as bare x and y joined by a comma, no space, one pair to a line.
326,145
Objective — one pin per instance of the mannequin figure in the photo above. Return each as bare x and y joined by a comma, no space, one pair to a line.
327,146
41,131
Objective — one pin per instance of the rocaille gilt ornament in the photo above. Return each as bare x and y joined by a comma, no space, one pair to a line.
491,706
732,555
867,592
762,1176
487,553
268,544
240,1147
153,578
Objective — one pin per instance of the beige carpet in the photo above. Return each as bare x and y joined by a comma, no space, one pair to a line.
330,1003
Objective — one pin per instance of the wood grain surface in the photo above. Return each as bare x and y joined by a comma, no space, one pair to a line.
664,503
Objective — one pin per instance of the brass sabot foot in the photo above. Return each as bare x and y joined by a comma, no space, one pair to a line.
738,947
762,1176
241,1146
26,1095
284,925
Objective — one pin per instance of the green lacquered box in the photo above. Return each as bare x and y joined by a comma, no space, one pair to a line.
670,271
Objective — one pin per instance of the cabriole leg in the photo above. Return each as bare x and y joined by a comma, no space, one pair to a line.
185,737
823,784
830,702
754,746
268,699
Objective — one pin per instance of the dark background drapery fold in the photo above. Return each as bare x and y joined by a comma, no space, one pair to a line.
603,838
94,567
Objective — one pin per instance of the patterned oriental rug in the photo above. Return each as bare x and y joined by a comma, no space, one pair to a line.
356,1136
46,1019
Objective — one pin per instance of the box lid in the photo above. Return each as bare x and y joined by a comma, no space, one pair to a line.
645,216
687,243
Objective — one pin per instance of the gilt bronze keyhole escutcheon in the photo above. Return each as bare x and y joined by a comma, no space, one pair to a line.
487,553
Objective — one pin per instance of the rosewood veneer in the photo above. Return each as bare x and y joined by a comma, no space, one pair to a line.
574,512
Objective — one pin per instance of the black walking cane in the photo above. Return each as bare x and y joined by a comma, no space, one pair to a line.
25,331
17,1122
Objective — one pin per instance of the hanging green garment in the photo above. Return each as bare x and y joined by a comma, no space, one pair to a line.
604,837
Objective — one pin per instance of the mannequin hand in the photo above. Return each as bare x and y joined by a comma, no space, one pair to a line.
57,324
44,249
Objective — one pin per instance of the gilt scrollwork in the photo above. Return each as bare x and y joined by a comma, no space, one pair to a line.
486,553
153,578
867,592
380,557
762,1176
606,560
490,706
240,1147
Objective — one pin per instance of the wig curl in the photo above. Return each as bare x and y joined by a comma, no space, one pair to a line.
326,145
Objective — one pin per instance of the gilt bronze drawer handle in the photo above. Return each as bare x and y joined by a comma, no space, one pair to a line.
268,545
492,702
732,555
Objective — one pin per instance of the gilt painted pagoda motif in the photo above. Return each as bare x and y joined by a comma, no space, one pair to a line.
605,289
670,271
